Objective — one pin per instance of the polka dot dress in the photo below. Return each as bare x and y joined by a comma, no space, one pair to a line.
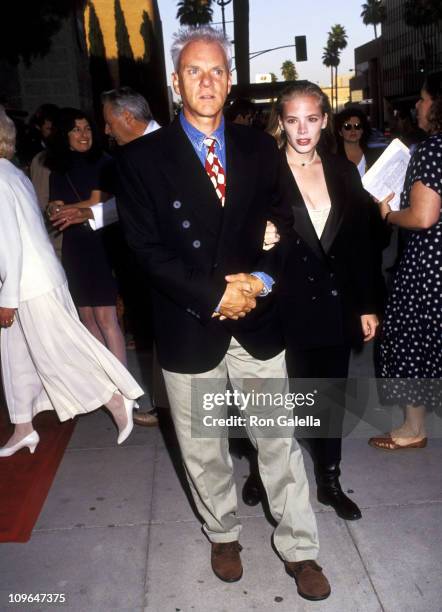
411,340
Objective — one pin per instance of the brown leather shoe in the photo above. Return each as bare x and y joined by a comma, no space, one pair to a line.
387,443
226,562
145,419
311,582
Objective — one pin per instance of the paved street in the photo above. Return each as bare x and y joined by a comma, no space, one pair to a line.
117,532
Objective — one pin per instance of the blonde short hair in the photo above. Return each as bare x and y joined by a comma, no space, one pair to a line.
300,88
7,135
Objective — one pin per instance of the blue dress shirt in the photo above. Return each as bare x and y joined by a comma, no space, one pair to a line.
197,139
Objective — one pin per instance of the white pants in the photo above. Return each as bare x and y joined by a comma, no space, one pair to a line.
208,462
51,362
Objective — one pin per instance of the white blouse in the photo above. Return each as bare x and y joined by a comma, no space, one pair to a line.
318,217
362,166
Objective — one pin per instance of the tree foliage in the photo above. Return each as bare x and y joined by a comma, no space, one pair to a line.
288,71
373,13
338,37
194,12
27,28
330,57
337,40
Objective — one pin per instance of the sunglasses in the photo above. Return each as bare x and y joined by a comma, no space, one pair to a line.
352,126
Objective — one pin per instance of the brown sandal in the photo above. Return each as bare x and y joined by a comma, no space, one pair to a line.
387,443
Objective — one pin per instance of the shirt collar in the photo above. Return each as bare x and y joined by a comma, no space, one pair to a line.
151,127
197,137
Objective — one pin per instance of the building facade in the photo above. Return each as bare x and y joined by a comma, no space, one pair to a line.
343,90
125,44
366,87
61,77
390,70
407,53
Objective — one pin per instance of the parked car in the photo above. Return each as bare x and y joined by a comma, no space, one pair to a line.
377,139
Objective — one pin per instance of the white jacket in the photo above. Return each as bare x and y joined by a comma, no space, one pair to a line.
28,264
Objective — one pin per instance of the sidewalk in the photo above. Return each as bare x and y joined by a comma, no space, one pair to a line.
117,532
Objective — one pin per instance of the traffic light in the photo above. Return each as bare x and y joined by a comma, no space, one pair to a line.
301,48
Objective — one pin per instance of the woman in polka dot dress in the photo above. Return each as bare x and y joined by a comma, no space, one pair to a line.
411,339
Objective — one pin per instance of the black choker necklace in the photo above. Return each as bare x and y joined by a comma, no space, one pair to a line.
307,163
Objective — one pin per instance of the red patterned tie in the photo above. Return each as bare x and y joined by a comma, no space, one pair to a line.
215,170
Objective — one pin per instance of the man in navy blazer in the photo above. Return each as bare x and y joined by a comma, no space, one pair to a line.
214,314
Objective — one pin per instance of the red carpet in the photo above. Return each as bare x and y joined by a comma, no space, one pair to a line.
25,479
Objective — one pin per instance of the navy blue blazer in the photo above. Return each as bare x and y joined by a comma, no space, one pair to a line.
186,242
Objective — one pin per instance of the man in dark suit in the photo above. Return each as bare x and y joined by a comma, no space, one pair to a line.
196,197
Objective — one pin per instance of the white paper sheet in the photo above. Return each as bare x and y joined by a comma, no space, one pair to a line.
387,174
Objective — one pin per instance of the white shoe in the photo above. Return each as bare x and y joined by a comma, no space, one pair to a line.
125,433
31,441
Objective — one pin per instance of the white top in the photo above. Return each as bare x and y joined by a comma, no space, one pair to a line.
318,217
28,264
106,213
362,166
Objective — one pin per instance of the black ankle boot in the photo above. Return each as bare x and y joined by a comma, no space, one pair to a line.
331,494
252,491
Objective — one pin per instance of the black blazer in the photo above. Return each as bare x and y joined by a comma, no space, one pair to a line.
186,242
328,283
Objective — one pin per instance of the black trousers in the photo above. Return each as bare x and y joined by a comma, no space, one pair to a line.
325,363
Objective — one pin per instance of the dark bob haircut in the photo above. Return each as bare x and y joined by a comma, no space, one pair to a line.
58,157
344,116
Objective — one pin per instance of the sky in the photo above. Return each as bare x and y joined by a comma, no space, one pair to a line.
274,23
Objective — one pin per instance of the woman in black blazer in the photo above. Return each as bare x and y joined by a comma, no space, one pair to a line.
325,294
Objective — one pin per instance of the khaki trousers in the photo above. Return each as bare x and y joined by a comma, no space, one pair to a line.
209,465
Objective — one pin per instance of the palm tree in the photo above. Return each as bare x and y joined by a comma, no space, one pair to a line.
339,36
337,40
330,59
194,12
288,71
373,13
420,14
